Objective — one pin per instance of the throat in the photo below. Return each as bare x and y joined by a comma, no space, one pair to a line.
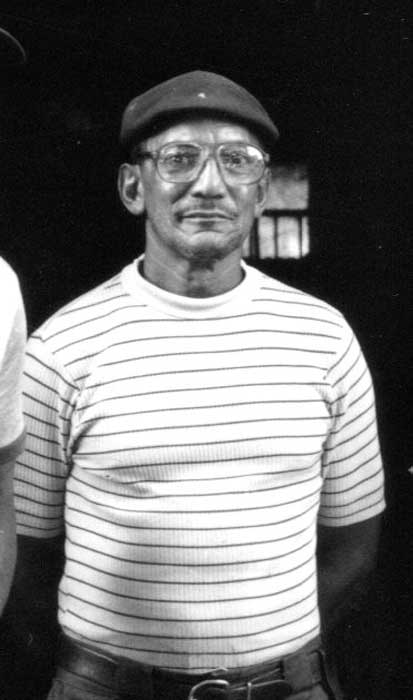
198,279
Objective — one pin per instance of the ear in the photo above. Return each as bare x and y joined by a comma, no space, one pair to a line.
130,188
262,192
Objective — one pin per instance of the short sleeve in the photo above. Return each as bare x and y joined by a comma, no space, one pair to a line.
353,488
42,470
12,347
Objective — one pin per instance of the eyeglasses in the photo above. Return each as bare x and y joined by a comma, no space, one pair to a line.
238,163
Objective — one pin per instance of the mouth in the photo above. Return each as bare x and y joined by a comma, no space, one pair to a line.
206,215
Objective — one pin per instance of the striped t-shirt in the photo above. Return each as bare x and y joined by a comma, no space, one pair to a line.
189,447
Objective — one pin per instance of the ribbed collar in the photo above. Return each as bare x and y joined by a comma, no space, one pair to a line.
189,307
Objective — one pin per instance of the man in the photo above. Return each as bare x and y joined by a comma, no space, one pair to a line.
191,423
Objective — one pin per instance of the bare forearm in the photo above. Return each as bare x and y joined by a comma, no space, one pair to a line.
346,558
32,608
341,590
38,570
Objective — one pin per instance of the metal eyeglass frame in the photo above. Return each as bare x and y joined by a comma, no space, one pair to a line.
205,152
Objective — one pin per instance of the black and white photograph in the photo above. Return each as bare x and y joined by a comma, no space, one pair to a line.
206,453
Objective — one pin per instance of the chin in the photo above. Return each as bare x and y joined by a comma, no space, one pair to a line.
210,247
206,253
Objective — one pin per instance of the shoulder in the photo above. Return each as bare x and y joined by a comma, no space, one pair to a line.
94,304
83,328
292,300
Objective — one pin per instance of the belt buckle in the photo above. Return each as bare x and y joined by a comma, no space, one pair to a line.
204,685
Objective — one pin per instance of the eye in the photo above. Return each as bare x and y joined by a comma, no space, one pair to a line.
235,158
179,157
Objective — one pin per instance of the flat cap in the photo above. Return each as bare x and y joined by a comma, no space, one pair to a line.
199,93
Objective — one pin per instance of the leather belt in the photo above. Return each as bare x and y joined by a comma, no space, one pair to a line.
132,679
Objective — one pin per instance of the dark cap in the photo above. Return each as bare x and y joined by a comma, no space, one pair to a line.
199,93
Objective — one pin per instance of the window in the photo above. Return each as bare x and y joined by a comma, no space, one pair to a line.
283,231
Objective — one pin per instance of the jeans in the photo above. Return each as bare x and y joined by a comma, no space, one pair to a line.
84,674
68,686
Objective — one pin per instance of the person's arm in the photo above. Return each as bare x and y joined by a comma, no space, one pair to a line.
32,606
352,494
39,492
7,531
346,556
12,346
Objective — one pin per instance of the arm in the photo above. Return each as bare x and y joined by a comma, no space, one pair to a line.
31,625
32,605
12,345
352,495
346,556
7,531
39,488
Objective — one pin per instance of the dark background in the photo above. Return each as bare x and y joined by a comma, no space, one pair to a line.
334,76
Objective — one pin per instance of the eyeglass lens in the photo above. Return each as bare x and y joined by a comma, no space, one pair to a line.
180,162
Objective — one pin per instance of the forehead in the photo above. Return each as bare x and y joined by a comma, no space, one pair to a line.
203,131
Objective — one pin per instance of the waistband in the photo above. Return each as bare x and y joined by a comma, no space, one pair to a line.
269,681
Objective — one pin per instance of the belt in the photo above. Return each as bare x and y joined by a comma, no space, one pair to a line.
132,679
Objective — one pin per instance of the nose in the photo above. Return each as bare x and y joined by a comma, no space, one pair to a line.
209,182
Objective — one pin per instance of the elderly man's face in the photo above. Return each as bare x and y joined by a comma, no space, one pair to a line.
206,219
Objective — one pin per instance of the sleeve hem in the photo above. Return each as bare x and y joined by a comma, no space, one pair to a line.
353,518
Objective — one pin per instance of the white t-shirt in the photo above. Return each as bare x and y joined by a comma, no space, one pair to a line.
12,345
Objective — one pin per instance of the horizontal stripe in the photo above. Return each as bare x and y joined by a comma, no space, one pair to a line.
208,494
48,368
212,425
179,582
83,358
188,511
355,485
377,491
198,371
296,302
371,506
215,442
198,601
177,546
191,566
192,528
203,336
196,620
135,633
232,404
202,353
76,309
94,319
199,389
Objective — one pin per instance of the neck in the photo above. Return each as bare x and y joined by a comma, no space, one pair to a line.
193,278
